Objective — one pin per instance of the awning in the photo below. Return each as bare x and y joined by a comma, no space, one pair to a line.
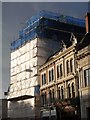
20,98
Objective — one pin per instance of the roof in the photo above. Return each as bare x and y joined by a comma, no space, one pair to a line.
56,16
85,41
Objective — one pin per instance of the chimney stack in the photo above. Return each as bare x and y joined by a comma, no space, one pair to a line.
88,23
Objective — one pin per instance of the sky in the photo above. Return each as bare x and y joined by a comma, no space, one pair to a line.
14,16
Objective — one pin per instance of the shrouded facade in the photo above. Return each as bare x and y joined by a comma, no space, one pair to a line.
25,62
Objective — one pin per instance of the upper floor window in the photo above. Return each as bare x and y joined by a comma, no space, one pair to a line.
44,79
51,75
59,71
87,77
67,66
71,65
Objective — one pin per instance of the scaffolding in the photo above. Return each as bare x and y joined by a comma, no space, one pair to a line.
46,24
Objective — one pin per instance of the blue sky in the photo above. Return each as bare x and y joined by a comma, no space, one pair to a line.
14,15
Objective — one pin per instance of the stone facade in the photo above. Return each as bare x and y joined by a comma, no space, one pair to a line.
84,81
58,79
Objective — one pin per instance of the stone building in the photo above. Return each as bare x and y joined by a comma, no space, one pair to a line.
83,60
59,84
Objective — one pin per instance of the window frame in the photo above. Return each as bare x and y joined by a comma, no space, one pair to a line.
43,78
86,77
67,66
71,65
51,74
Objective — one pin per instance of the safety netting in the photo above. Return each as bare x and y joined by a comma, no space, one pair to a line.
46,25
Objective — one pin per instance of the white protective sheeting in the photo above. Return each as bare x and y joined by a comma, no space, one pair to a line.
30,56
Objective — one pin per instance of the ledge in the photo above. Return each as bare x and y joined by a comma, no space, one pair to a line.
23,97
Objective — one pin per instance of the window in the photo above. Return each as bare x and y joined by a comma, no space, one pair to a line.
43,98
73,90
71,65
67,66
87,77
62,93
59,93
44,79
61,72
51,75
69,92
50,98
57,71
53,94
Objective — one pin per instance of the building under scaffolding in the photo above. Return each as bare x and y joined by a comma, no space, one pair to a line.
48,25
37,41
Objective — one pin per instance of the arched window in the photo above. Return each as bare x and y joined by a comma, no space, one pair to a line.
62,93
67,66
69,92
73,90
71,65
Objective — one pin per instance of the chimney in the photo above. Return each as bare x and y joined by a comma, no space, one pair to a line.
88,23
